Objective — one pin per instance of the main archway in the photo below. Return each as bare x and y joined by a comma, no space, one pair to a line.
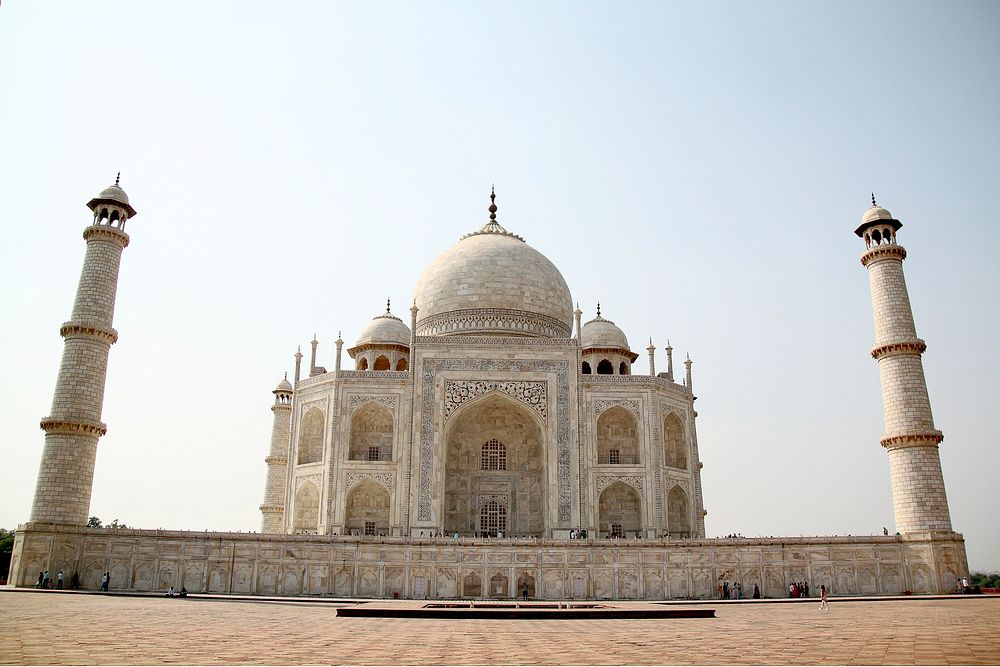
495,470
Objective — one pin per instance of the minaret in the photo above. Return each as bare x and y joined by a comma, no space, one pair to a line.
577,315
687,374
298,364
340,346
670,362
918,495
273,507
312,359
652,359
66,473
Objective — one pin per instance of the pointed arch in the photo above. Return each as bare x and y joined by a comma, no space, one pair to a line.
305,517
678,513
371,433
617,437
363,364
623,368
605,367
311,436
585,368
402,364
367,511
382,363
674,450
619,511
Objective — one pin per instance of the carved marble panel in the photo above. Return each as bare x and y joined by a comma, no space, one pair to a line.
532,394
385,478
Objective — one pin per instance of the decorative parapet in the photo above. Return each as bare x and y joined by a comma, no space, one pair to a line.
73,427
925,439
72,329
106,233
880,252
904,347
532,394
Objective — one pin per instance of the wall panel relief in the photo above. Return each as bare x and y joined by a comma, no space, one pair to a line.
532,394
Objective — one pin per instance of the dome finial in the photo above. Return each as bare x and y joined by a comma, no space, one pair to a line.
286,376
873,201
598,308
387,304
117,178
493,203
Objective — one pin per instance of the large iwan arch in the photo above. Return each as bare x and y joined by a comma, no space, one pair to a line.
617,437
495,458
371,433
306,509
311,437
619,511
367,510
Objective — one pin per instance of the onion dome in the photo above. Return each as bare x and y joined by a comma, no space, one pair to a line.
284,386
876,215
600,332
385,329
113,194
493,283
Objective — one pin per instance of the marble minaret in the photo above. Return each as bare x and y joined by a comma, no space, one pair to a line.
72,429
918,495
273,507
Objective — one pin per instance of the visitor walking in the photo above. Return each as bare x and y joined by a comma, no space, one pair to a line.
45,579
756,592
823,606
105,581
59,580
41,579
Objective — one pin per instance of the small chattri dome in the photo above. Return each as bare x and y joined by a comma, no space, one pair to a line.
385,328
113,194
600,332
283,386
875,213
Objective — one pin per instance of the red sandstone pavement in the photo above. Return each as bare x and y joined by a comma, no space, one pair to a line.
67,628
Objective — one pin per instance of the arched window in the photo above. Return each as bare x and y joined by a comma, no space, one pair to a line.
585,369
493,456
311,437
401,364
363,364
382,364
371,433
492,519
305,517
622,368
678,514
605,368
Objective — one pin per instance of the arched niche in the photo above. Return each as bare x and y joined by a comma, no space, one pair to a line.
619,511
605,367
674,450
678,513
520,487
401,364
363,364
617,437
371,433
305,518
367,511
311,436
382,363
585,368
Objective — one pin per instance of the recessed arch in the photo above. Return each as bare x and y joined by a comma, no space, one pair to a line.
520,488
623,368
363,364
678,513
618,437
306,509
674,450
619,511
382,363
402,365
585,368
367,509
605,367
371,433
311,436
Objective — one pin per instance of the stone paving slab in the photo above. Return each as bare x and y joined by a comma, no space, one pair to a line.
95,629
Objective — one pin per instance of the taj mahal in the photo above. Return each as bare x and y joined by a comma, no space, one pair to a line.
495,443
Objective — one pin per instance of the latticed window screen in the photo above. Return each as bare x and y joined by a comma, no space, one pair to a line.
492,518
616,530
373,453
615,456
493,456
369,527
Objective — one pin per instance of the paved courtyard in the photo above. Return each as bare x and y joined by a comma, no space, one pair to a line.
56,628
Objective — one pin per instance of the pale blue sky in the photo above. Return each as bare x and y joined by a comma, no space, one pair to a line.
699,168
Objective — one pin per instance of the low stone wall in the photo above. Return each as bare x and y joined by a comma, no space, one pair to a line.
251,563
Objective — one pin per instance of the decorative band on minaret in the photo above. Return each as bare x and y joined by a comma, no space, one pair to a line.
72,429
918,493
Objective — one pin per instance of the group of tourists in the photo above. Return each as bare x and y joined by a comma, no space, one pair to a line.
735,591
46,581
798,589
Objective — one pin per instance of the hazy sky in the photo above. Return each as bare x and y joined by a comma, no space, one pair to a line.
698,168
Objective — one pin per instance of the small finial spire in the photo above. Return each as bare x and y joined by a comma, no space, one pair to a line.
598,308
873,201
286,375
387,303
117,178
493,204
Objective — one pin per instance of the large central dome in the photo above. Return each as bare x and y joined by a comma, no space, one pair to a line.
493,283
